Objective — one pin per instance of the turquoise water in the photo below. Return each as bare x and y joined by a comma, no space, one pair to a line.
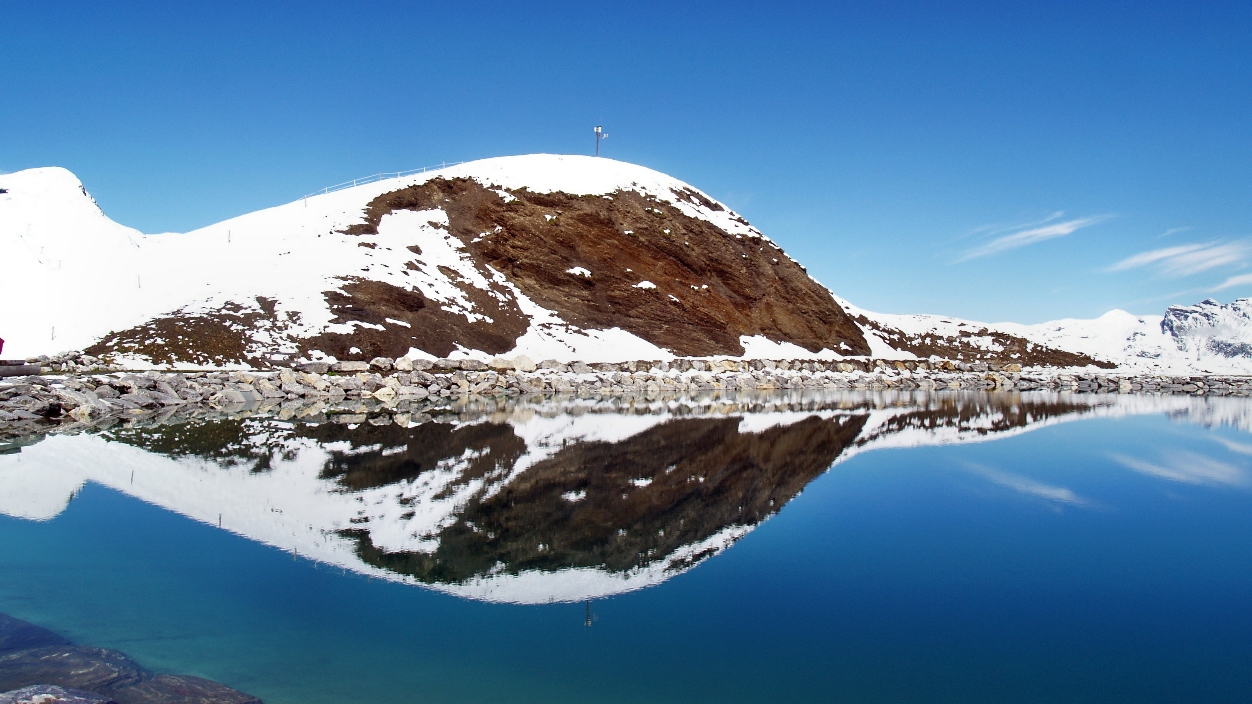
1102,560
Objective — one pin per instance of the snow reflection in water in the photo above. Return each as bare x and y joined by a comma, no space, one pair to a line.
562,501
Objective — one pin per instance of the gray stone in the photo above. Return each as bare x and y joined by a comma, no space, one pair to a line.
227,397
348,383
351,367
472,365
71,399
413,393
314,367
140,399
316,381
382,364
190,395
165,399
294,387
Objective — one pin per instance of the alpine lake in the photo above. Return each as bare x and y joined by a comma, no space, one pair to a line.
947,546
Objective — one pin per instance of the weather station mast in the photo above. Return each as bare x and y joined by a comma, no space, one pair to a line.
600,134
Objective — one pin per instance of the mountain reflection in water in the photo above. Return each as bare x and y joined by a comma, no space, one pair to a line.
529,503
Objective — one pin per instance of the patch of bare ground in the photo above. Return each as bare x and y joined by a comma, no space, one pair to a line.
424,324
1011,348
225,336
708,287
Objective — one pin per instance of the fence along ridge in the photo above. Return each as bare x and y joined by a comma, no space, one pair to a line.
380,176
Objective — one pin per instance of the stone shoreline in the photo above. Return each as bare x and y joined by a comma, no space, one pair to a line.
350,391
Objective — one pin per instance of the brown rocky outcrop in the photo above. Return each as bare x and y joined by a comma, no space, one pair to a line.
708,287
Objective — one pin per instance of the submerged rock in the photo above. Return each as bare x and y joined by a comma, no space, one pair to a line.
35,662
52,694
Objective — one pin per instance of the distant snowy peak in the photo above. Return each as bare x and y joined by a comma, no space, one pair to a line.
1210,327
1204,338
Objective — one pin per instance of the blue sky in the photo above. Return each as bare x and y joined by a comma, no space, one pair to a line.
1006,161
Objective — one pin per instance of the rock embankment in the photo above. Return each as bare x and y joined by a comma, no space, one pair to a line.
83,392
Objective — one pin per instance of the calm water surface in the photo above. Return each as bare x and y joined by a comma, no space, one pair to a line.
885,548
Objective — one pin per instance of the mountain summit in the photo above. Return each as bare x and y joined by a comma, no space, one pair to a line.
550,256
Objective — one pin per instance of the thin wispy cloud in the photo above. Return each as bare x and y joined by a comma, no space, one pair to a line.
1188,259
1172,231
1240,280
1233,446
1188,468
1033,233
1000,228
1028,486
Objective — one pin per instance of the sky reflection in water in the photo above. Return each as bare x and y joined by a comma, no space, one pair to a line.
961,547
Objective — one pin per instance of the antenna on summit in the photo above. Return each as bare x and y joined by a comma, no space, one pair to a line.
600,134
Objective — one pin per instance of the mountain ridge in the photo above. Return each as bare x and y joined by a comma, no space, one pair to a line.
548,256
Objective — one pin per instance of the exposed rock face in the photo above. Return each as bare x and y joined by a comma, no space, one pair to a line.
622,260
1209,326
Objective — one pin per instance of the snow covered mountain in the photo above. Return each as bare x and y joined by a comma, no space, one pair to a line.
552,257
1205,338
549,256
